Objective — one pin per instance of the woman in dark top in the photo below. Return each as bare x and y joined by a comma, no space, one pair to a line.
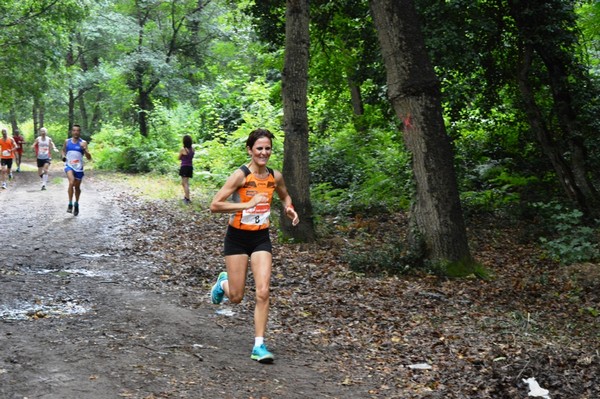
186,170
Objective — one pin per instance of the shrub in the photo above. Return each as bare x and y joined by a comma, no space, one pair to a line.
572,241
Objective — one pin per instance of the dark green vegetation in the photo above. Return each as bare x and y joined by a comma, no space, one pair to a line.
519,82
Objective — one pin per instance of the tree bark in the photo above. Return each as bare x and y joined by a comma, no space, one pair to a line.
34,116
295,115
14,124
414,91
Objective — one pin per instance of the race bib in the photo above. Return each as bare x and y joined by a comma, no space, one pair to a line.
6,153
75,164
257,215
44,150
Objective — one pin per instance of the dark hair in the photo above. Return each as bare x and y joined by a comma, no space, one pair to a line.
187,141
257,134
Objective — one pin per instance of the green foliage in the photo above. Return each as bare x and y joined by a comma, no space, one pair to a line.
328,200
59,133
572,241
354,173
127,151
223,139
497,188
493,163
589,23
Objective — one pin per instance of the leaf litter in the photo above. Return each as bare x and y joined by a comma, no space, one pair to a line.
413,335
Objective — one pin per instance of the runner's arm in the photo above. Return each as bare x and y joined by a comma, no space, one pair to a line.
285,198
84,145
220,204
53,146
64,151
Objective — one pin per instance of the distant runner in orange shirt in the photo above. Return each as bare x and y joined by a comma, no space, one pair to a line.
7,153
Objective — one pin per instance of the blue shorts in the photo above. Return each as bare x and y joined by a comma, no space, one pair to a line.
240,242
78,175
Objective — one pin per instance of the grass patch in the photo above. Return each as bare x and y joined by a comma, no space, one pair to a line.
152,186
161,187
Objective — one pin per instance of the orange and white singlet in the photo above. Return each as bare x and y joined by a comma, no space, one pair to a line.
6,148
257,217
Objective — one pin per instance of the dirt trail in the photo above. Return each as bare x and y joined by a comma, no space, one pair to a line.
80,315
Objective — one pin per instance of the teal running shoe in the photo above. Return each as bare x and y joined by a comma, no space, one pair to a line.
216,293
261,354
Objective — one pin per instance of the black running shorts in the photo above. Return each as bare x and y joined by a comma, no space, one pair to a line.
239,242
186,171
42,162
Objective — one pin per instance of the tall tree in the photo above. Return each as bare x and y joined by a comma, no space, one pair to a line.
164,30
548,36
414,91
295,126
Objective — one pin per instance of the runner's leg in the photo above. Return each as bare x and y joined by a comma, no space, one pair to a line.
237,269
261,263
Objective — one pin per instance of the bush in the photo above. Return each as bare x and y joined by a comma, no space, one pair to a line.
362,174
126,151
572,242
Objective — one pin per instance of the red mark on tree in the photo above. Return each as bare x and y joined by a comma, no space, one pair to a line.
408,122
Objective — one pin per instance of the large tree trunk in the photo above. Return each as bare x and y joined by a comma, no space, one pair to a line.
414,92
294,92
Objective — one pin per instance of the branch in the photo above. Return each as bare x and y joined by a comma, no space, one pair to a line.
29,14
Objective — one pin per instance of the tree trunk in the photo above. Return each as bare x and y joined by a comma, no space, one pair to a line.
34,116
84,114
295,115
357,103
96,113
142,112
84,121
414,92
71,111
536,122
547,29
14,124
42,114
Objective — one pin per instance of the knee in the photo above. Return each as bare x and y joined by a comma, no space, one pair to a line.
236,297
262,295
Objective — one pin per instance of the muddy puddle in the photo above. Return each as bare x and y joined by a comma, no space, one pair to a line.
41,308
